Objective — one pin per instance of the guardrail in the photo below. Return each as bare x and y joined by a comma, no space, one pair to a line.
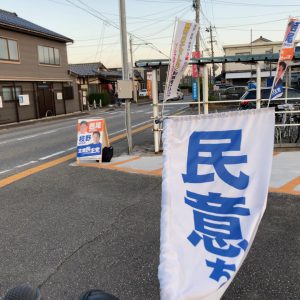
287,123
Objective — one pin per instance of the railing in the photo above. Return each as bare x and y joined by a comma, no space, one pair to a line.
287,116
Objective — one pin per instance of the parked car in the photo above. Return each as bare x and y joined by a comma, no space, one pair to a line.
293,96
222,86
179,96
232,93
143,93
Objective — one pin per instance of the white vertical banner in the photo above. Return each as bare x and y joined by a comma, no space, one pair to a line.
285,58
182,45
216,173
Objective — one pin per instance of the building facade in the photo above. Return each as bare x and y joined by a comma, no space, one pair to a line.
239,73
34,80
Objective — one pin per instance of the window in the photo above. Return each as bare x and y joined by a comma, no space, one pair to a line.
8,50
48,55
9,93
243,53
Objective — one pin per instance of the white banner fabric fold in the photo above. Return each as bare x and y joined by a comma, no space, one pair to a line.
216,173
181,51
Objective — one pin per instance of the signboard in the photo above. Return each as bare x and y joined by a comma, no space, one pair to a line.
91,138
1,103
196,54
214,194
23,100
181,51
125,89
195,89
149,84
59,96
286,55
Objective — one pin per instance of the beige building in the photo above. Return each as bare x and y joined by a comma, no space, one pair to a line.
239,73
34,79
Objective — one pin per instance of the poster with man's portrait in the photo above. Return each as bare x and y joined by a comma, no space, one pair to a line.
90,139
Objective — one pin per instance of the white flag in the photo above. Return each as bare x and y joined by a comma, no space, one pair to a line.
180,55
216,172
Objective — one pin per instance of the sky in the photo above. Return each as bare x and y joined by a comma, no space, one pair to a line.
95,28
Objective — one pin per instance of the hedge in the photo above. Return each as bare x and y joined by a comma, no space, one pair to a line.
106,98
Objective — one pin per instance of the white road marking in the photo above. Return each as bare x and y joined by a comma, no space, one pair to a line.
26,164
5,171
68,149
51,155
36,135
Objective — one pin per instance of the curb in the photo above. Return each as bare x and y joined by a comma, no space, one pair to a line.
53,118
34,121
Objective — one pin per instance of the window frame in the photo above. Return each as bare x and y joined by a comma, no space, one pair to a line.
13,91
9,50
50,55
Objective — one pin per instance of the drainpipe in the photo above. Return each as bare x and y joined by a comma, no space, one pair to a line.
16,102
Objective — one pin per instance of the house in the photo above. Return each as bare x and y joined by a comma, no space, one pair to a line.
34,80
240,74
94,77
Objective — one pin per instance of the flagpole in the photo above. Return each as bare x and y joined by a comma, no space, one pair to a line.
170,57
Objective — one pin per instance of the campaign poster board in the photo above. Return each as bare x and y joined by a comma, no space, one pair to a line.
24,100
91,138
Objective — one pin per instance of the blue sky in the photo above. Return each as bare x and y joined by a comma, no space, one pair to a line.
93,24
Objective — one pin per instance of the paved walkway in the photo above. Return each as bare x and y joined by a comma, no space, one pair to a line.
285,177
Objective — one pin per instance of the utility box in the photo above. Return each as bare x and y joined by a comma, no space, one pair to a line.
124,89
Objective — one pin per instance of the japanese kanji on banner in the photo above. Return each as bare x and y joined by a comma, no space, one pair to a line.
182,46
91,138
216,173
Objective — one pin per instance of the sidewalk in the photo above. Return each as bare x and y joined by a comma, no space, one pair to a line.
285,177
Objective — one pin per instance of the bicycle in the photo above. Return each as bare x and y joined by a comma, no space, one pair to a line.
287,119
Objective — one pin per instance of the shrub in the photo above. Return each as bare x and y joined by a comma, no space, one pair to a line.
105,97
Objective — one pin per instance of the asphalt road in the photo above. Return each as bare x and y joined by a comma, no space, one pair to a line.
68,228
31,145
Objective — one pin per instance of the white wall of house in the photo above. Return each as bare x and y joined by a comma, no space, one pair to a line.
257,47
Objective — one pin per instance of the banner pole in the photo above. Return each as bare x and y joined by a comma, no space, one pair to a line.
156,130
205,88
258,86
167,78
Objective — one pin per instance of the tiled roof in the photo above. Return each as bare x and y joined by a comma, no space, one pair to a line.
88,69
93,69
11,21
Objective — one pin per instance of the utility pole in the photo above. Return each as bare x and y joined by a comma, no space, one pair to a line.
212,49
196,6
132,76
125,73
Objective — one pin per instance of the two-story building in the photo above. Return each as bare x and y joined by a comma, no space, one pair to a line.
239,73
34,79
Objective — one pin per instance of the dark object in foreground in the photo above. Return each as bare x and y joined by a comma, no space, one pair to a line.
23,292
107,154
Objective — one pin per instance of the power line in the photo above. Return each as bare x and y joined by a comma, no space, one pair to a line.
111,23
254,4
